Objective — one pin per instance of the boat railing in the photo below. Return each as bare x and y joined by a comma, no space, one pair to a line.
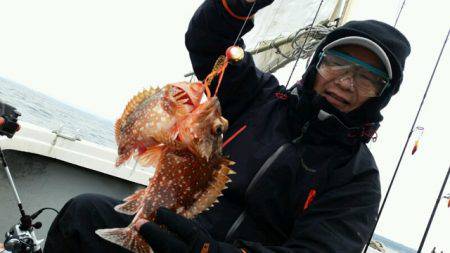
72,149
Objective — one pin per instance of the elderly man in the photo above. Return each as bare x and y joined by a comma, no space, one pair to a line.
305,182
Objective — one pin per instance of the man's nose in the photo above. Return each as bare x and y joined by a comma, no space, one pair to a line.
346,81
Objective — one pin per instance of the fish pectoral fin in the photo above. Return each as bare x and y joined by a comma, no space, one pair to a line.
151,156
122,158
132,203
127,237
169,136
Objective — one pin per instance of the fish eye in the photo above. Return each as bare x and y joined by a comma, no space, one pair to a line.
219,130
217,127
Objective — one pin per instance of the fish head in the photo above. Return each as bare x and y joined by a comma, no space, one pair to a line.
201,131
185,96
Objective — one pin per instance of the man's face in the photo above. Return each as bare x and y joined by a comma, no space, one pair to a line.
339,91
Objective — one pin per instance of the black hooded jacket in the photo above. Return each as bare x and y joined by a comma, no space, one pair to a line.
305,181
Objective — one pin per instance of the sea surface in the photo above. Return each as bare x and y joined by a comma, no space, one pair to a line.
44,111
392,246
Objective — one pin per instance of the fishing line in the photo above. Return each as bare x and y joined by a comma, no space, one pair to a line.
407,139
398,16
222,62
245,22
304,43
239,34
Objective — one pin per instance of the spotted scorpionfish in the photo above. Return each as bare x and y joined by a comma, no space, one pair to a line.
171,130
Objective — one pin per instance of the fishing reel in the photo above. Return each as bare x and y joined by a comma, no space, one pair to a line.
9,124
19,240
21,237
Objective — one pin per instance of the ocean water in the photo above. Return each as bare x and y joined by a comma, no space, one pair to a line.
44,111
392,246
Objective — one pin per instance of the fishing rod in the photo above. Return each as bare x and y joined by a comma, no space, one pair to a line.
21,237
407,140
424,237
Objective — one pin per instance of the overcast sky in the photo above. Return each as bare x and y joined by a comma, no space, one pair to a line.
97,54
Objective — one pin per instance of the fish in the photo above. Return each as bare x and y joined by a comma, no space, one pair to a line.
190,170
150,118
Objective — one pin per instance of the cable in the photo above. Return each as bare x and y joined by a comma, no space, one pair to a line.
50,208
36,214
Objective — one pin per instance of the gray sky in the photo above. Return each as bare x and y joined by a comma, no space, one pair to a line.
97,54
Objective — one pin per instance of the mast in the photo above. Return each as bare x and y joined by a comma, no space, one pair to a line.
348,8
339,10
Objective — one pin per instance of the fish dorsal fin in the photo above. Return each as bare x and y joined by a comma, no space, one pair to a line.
117,128
131,106
213,191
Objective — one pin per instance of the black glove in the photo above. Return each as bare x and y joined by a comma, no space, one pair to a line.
182,236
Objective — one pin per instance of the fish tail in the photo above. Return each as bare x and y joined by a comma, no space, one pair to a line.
127,237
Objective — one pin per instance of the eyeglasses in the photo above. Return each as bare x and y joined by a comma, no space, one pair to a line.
365,78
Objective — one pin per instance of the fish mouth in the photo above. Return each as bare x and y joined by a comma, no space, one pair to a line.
188,93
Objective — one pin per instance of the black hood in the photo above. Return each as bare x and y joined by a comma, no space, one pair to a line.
397,48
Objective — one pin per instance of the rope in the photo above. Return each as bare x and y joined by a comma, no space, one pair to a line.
289,48
308,47
307,36
275,14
